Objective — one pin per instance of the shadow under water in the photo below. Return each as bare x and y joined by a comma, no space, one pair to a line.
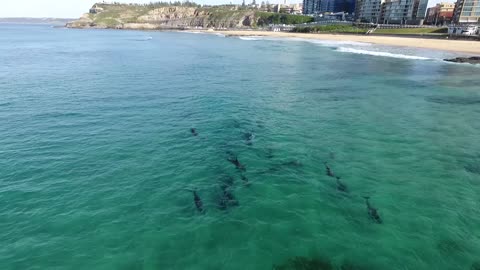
473,168
475,266
453,100
304,263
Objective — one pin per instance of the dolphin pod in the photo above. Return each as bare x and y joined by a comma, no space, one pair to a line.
227,199
341,186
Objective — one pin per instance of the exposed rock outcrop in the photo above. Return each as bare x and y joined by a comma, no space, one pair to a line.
470,60
84,22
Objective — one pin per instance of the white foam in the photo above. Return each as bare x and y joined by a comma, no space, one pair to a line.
332,43
327,43
251,38
220,35
144,39
384,54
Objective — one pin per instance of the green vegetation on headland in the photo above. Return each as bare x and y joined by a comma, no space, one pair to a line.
266,18
329,29
163,15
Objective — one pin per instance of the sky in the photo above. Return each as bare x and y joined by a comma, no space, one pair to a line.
75,8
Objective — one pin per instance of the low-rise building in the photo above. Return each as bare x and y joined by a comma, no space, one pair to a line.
441,14
464,30
288,8
96,9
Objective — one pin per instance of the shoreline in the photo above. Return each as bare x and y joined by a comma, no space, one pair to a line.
458,46
467,47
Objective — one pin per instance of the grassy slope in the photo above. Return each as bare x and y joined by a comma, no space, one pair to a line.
412,31
330,29
114,14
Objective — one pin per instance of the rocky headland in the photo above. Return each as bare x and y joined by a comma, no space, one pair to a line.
164,16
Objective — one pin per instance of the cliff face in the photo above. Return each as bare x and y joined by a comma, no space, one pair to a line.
122,16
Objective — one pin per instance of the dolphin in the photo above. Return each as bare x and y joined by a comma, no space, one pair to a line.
198,201
248,136
226,198
245,180
372,211
234,161
329,171
269,153
292,163
194,131
341,186
227,181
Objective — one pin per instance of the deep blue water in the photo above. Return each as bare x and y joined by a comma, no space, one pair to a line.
98,162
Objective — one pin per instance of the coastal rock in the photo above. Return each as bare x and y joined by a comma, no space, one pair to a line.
171,13
142,26
470,60
84,22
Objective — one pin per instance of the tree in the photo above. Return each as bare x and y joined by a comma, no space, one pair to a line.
254,3
243,3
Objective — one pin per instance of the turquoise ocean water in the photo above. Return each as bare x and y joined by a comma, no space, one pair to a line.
98,162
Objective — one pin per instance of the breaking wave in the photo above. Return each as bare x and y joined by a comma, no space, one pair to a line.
251,38
384,54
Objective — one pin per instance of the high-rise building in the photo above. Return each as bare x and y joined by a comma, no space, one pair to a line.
327,6
391,11
397,11
404,11
369,10
358,5
311,6
347,6
321,6
420,10
467,12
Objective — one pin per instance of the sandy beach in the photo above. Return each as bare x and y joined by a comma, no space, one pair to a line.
462,46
